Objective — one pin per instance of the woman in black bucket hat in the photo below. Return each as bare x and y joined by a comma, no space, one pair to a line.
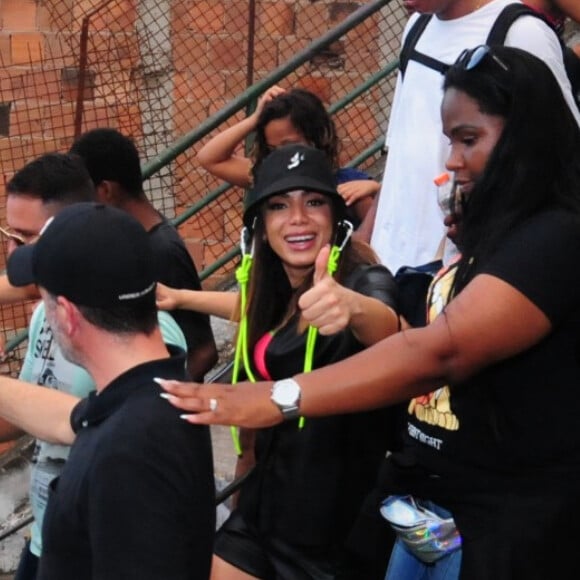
295,511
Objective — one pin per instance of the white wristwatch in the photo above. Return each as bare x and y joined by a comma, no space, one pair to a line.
286,396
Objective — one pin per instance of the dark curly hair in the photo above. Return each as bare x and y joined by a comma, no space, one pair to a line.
307,114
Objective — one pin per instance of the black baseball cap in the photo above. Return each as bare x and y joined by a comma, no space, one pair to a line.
92,254
289,168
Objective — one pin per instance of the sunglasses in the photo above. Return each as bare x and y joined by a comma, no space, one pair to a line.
470,58
13,236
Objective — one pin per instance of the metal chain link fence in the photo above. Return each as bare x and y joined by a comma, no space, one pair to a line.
154,69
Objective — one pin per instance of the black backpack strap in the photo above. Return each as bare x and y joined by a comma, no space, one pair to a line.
408,52
506,18
411,40
427,61
509,15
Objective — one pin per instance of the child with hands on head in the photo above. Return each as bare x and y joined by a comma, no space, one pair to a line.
282,118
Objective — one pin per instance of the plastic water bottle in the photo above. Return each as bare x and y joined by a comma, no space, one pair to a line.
445,192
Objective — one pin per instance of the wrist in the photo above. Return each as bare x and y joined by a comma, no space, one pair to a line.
180,299
286,395
252,121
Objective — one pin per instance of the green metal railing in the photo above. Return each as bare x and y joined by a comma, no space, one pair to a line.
253,92
248,99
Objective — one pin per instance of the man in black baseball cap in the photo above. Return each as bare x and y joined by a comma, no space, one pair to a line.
36,193
93,266
92,254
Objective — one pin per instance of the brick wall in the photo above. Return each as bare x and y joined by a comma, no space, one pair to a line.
157,68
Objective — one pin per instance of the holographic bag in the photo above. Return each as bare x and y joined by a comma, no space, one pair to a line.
427,536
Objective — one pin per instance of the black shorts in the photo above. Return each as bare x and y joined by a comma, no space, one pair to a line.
240,545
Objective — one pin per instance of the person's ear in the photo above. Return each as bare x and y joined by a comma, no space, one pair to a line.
68,314
107,192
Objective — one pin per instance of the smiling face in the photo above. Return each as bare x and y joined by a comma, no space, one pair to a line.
297,225
280,132
472,135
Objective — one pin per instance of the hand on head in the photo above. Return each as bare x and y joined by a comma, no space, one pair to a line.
270,94
327,304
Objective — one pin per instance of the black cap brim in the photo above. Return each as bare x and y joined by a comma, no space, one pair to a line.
290,183
20,266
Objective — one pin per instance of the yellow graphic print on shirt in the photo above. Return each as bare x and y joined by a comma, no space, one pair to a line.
435,408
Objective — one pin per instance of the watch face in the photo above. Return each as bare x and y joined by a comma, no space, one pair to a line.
286,392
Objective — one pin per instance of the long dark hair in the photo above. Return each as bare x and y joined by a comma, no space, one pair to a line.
307,114
535,164
271,297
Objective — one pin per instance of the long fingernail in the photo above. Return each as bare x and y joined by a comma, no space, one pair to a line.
165,396
158,380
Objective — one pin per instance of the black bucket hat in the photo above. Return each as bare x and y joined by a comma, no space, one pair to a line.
289,168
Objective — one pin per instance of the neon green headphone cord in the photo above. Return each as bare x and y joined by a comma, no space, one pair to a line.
241,354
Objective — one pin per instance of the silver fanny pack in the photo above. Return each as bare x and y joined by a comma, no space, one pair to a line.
427,536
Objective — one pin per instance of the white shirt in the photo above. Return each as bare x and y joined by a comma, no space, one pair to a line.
409,224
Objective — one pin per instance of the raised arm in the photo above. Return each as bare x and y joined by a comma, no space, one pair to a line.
357,190
220,304
365,230
218,154
331,307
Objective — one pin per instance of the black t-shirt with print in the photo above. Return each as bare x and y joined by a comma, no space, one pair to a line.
515,426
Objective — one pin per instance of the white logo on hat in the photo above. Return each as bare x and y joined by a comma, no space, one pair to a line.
296,160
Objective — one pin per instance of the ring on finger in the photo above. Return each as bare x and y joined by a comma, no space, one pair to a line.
213,405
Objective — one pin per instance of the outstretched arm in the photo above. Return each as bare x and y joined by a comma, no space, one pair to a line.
220,304
218,154
461,341
44,413
570,8
10,294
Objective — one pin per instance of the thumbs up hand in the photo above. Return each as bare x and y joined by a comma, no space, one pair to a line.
327,305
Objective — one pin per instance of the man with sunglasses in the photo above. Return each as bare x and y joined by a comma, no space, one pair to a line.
405,221
36,193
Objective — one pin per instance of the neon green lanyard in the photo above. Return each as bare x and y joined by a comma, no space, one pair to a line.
241,354
331,268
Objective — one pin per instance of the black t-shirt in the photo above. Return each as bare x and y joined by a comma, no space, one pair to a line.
176,269
309,483
136,498
512,427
